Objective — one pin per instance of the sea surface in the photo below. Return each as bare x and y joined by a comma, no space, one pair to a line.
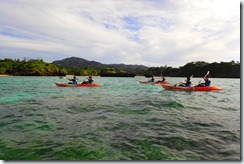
121,120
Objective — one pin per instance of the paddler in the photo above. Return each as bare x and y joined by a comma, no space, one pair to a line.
73,81
207,81
187,82
163,79
152,80
90,80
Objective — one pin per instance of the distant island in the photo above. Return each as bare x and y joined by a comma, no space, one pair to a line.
83,67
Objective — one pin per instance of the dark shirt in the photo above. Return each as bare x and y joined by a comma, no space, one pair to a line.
89,81
207,82
74,81
188,83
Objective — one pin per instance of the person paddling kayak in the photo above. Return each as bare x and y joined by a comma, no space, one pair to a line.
187,82
73,81
152,79
90,80
206,79
163,79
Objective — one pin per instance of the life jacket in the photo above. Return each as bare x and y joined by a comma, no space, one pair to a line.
207,83
89,81
188,84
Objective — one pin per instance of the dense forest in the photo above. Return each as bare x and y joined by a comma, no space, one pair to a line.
37,67
198,69
29,67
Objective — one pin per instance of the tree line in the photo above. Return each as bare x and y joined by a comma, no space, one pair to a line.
198,69
37,67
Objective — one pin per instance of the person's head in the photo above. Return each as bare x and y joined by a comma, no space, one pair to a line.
90,77
188,78
74,77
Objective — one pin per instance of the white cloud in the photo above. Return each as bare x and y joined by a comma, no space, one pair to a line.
152,33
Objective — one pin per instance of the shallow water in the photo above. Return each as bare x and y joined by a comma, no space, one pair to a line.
122,120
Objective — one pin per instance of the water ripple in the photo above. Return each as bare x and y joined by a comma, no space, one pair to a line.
122,120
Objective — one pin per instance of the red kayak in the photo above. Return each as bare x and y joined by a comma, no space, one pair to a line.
156,82
77,85
191,88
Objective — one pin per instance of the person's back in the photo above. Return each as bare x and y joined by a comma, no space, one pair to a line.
73,81
90,80
207,81
188,84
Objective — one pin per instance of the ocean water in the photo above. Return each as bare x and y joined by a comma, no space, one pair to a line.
121,120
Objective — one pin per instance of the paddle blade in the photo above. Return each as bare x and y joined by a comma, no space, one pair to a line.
206,74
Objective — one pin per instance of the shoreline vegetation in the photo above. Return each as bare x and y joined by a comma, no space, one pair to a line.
37,67
5,75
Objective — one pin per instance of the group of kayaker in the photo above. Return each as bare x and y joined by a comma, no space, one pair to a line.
152,79
186,85
187,81
74,80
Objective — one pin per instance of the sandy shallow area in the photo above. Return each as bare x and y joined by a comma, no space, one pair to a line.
5,75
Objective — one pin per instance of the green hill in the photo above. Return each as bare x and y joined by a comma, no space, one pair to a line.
79,66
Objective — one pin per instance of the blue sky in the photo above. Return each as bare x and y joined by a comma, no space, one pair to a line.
148,32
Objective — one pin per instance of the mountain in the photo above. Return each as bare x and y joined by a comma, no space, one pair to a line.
77,62
82,63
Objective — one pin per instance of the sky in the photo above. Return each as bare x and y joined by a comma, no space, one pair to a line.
147,32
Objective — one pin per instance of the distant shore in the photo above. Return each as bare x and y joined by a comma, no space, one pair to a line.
137,76
5,75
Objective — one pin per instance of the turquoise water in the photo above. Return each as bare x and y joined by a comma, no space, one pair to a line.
122,120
